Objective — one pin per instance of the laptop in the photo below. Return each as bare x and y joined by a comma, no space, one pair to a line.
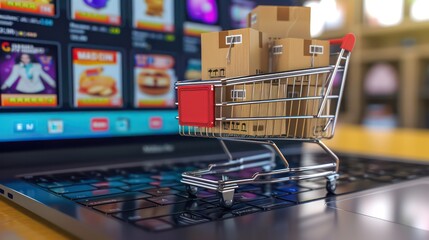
88,145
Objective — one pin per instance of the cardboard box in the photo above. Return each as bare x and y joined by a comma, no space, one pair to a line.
247,92
293,53
240,93
296,128
281,21
233,53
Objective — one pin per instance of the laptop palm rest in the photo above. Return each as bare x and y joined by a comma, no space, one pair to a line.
406,205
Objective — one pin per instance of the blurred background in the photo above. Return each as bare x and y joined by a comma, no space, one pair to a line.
388,82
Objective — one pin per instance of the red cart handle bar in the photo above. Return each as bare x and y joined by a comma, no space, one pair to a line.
347,42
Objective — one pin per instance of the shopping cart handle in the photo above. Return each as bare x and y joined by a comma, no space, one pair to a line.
347,42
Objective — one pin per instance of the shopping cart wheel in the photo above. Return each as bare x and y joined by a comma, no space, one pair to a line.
192,190
226,198
331,183
331,186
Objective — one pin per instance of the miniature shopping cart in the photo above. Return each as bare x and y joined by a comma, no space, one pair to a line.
294,105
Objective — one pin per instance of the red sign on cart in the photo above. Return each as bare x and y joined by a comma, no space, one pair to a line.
196,105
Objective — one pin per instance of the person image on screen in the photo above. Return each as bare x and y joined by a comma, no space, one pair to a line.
30,75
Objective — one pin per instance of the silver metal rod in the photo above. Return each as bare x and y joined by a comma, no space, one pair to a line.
274,100
226,150
258,78
331,83
341,93
273,118
331,153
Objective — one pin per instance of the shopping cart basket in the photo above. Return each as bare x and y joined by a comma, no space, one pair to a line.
294,105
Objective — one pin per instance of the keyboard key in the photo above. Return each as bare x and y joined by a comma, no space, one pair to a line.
181,188
135,181
305,196
165,184
216,213
247,196
94,193
246,210
154,225
140,175
55,184
95,173
213,200
71,189
124,206
174,176
250,188
291,188
86,181
76,178
136,188
113,198
69,176
168,199
114,178
113,184
155,212
184,219
40,179
161,191
198,205
200,194
271,203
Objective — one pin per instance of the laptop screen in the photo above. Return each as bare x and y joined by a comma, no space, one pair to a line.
83,69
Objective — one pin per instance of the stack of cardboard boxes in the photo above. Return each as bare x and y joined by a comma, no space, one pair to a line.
277,39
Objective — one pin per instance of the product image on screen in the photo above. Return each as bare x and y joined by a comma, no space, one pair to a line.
154,77
28,74
154,15
193,69
238,12
97,11
97,78
201,16
38,7
203,11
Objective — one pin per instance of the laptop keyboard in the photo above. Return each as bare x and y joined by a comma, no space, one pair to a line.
155,200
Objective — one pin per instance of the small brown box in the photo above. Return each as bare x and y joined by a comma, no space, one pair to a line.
281,21
296,128
295,53
242,93
233,53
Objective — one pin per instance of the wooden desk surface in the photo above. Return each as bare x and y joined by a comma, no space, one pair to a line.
399,143
17,223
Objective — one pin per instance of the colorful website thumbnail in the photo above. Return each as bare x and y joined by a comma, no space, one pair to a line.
97,11
154,15
28,74
39,7
201,16
238,12
97,77
193,69
203,11
154,78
